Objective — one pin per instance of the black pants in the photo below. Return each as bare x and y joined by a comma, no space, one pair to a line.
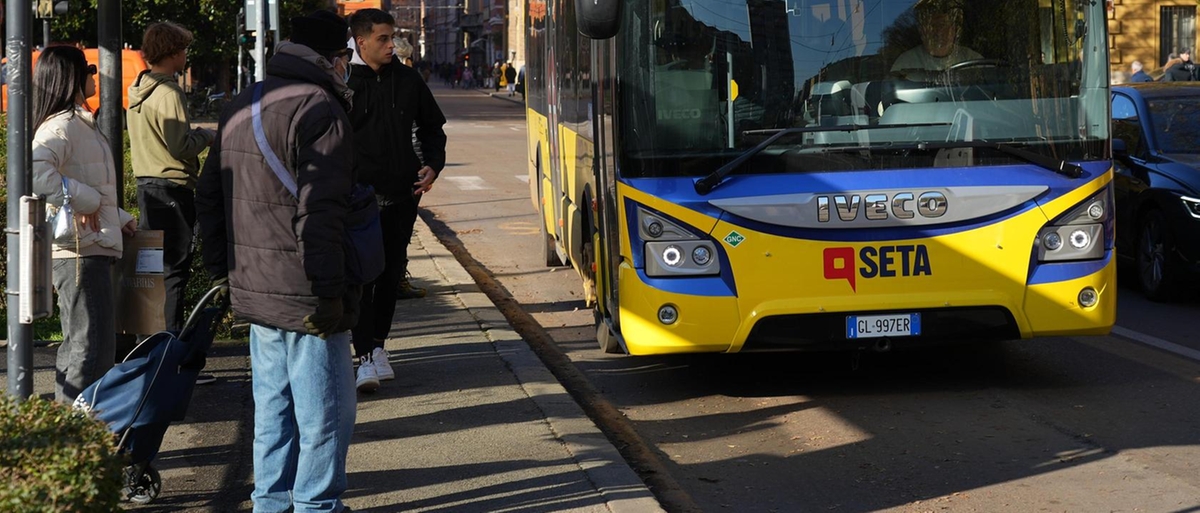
171,208
378,307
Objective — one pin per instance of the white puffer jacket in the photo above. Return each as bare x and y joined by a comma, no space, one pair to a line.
68,145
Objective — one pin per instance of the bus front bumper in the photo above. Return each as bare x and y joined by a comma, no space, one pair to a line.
717,324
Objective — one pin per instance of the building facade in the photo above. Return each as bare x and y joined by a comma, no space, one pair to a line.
1148,31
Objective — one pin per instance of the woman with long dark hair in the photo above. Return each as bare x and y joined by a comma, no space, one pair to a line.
73,167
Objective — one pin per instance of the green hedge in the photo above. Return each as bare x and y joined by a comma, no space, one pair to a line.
54,458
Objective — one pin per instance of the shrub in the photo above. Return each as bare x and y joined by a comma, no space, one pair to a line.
55,458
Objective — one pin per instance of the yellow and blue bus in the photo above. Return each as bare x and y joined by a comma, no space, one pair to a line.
742,175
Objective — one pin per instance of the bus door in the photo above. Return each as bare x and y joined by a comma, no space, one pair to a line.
551,198
608,252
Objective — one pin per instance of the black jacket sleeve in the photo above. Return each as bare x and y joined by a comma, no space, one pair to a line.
323,181
211,214
429,119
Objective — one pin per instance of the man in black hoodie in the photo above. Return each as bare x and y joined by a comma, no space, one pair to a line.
389,100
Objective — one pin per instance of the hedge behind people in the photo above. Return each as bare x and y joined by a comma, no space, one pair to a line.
54,458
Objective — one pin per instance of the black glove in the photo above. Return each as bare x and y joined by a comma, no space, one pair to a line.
222,296
350,311
327,317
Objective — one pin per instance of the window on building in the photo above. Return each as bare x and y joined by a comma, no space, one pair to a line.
1178,30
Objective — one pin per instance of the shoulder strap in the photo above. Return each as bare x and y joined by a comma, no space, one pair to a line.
260,137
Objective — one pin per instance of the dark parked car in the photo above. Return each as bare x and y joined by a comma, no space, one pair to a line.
1156,153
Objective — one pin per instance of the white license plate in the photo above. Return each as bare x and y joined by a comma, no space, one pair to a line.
874,326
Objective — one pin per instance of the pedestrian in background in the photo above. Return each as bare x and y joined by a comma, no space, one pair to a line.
389,99
510,78
165,150
1138,74
1183,70
284,258
73,165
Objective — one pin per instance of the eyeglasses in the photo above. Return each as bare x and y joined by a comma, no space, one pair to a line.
91,69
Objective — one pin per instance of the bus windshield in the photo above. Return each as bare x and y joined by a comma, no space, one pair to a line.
702,81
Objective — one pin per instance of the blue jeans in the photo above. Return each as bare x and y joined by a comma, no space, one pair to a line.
304,406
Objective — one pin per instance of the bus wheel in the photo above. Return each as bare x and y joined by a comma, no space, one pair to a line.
549,253
588,260
606,338
1157,272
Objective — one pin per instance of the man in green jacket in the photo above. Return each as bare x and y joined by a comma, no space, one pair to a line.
165,150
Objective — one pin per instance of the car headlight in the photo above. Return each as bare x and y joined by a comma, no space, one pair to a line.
1192,205
672,250
1079,234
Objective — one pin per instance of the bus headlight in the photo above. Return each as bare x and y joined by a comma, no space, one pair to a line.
1079,234
672,256
1080,239
671,249
1052,241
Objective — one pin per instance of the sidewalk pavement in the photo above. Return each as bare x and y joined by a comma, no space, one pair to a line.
473,421
502,94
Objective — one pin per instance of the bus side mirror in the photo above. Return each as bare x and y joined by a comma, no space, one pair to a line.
1119,150
598,19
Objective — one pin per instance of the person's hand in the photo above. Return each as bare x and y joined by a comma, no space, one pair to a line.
130,228
91,221
222,284
424,183
327,317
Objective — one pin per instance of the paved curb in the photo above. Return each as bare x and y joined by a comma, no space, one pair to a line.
611,475
518,99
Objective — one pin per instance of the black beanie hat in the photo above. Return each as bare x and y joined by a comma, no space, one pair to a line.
323,31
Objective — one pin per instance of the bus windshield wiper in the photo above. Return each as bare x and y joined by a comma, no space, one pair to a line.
1056,165
708,183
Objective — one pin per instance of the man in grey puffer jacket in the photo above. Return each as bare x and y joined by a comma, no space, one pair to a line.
283,257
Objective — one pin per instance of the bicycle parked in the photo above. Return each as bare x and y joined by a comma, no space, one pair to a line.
205,103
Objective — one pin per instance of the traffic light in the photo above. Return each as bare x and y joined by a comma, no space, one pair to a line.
244,38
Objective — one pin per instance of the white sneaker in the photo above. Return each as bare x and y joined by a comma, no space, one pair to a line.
368,380
383,367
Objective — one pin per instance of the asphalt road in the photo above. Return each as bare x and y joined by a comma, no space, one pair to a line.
1060,424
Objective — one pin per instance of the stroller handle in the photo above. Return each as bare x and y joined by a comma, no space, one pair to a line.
200,306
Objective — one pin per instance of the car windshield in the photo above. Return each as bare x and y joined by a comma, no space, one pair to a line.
1176,124
705,80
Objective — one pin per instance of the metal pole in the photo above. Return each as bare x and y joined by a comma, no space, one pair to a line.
19,27
260,39
237,89
112,113
45,33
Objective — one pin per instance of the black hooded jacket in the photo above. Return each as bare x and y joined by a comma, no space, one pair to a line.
386,106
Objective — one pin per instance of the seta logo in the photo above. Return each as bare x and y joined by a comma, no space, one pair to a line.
871,262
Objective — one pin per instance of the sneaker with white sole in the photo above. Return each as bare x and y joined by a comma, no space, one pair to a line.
367,380
383,367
